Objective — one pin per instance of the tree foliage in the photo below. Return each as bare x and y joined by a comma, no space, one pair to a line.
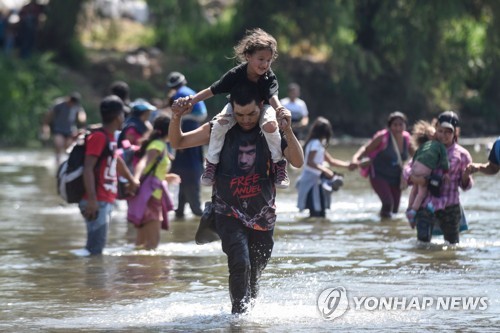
58,34
356,60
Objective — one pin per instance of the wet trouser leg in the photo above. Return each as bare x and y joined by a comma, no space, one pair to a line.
424,220
97,230
192,195
181,202
314,205
388,195
449,222
248,252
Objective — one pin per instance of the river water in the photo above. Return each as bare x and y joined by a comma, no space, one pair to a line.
183,286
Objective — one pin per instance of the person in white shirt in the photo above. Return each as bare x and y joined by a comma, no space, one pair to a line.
298,108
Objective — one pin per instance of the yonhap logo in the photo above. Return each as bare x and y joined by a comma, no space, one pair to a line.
332,303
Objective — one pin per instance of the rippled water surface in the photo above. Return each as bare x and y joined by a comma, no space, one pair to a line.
183,286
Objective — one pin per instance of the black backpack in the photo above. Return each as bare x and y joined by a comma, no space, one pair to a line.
70,173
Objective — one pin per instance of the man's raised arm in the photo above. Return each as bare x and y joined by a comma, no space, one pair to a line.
293,152
180,140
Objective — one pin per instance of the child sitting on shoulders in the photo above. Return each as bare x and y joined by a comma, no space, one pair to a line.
430,155
255,51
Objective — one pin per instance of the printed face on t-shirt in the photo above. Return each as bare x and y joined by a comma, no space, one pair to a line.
246,158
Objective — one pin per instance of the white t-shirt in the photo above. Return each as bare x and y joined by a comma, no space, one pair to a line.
319,158
298,108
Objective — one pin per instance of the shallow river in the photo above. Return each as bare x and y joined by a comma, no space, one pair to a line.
391,282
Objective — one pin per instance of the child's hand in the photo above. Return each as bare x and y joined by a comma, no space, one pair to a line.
284,117
181,108
353,166
183,101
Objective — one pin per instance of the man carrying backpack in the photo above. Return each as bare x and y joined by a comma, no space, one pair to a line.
100,169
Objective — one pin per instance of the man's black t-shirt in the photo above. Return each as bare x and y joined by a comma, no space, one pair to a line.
244,186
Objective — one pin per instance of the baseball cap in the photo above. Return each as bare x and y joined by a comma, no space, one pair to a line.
174,79
448,119
75,96
141,105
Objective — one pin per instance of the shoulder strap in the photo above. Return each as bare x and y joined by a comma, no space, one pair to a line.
396,148
158,160
106,151
383,144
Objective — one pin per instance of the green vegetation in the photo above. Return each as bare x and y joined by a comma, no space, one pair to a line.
27,89
356,60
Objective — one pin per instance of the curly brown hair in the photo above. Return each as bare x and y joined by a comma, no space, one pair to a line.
422,132
253,41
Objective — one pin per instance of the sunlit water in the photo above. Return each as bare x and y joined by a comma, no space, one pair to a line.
183,286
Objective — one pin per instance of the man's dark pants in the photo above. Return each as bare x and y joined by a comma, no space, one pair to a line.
248,252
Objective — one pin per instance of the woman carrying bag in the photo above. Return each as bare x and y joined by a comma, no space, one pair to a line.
149,207
386,152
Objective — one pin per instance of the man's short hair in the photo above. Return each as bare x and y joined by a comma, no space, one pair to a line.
244,94
111,107
120,89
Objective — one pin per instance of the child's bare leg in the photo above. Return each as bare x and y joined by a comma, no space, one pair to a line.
420,196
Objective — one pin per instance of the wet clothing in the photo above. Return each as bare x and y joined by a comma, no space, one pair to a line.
244,196
106,188
385,175
446,207
432,154
447,219
248,252
310,192
267,84
64,118
97,229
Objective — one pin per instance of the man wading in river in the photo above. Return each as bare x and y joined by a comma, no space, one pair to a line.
244,202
